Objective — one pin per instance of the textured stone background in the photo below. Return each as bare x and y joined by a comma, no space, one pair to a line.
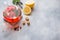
45,22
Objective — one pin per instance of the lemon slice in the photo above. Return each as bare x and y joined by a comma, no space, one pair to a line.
30,3
27,10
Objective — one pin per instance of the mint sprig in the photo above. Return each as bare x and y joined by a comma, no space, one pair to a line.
15,1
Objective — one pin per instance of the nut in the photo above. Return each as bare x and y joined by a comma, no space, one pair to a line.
27,19
23,22
20,27
28,23
16,29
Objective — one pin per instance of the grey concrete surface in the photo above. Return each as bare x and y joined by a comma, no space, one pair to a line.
45,22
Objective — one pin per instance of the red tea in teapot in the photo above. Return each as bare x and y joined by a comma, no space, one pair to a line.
12,14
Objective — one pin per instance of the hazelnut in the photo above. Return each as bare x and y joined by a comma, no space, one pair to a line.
27,19
23,22
20,27
28,23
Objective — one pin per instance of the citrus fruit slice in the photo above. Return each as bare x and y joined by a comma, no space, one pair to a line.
30,3
27,10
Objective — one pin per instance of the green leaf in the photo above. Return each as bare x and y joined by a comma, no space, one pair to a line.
14,1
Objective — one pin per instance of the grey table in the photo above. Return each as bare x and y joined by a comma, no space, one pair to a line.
45,22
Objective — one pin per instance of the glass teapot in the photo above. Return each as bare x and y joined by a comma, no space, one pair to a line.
12,14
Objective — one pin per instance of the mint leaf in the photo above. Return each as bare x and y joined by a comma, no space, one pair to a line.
14,1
